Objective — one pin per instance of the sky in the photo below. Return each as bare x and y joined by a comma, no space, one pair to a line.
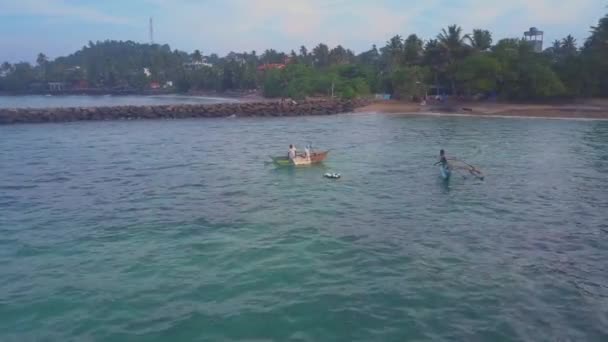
60,27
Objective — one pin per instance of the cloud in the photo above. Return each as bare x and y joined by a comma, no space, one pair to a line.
516,15
242,25
246,25
57,8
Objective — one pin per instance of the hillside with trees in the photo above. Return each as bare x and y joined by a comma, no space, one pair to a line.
456,63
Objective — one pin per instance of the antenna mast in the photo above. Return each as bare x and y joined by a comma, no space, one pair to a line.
151,31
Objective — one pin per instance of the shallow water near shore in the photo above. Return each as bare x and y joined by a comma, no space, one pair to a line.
180,230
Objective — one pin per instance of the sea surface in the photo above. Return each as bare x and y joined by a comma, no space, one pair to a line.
181,231
48,101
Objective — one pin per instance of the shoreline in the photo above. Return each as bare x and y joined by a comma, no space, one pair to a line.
590,109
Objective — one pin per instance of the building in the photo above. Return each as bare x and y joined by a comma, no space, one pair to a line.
56,86
80,84
535,37
272,66
197,65
236,58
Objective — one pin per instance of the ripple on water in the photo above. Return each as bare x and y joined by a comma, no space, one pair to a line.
178,230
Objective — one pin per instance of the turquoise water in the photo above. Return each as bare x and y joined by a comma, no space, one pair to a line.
179,231
42,101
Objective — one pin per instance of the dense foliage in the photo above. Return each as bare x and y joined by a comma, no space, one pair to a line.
453,63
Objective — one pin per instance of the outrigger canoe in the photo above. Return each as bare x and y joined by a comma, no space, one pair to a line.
445,172
301,160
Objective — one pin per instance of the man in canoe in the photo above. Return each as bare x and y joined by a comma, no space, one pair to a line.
443,160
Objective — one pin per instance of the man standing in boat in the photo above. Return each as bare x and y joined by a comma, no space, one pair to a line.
292,152
442,159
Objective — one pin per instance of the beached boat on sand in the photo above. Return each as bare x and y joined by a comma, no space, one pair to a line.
301,160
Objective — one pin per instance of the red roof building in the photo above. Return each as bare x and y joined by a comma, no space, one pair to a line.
271,67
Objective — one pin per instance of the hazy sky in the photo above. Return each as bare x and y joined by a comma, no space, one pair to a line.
59,27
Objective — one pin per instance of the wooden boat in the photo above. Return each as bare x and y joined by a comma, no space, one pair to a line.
301,160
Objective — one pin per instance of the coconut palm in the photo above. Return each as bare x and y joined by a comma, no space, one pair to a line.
433,58
197,56
568,45
452,40
412,49
42,61
481,40
453,47
393,51
321,55
339,55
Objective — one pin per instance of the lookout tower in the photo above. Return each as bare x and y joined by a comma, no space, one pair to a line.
535,37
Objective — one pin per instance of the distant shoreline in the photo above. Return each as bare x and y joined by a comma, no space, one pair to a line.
588,109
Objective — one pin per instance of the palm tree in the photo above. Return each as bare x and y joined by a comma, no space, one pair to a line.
321,55
568,45
338,55
433,57
197,56
394,50
304,57
452,38
481,40
451,42
554,53
412,49
42,61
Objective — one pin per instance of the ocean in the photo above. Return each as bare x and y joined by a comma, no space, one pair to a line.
182,230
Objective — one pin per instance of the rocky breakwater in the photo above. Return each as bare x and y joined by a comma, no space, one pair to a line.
244,109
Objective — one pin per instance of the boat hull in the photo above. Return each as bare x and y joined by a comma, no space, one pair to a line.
315,158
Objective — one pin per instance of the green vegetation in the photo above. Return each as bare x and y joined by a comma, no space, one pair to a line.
453,63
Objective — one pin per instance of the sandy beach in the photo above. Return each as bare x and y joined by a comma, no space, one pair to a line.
587,109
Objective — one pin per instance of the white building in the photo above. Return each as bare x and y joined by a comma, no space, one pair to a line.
196,65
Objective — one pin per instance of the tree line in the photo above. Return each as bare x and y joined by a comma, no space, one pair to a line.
453,63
